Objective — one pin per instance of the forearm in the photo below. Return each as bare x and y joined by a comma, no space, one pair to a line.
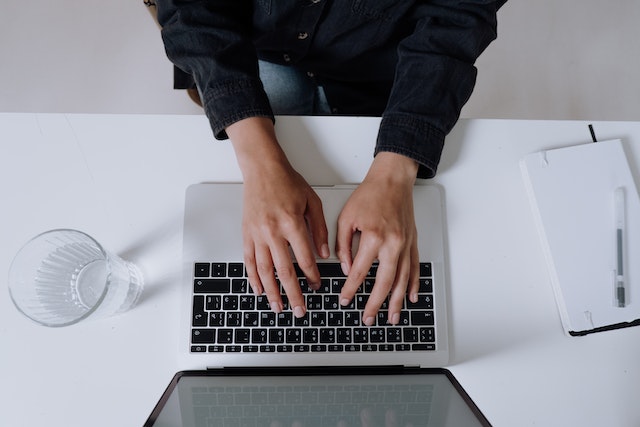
435,77
212,42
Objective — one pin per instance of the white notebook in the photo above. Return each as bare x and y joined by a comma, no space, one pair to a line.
573,193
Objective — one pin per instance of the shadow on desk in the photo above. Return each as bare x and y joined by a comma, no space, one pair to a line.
152,253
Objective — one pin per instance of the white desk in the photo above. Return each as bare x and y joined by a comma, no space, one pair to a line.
122,180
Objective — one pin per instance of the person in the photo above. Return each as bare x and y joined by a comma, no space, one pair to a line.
410,62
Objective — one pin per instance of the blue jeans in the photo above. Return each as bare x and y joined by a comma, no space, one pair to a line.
292,92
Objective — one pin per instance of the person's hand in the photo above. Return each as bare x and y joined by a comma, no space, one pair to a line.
381,210
281,211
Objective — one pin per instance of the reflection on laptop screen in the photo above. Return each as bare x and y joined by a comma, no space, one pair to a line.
368,401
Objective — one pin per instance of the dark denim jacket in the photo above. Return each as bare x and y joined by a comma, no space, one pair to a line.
409,61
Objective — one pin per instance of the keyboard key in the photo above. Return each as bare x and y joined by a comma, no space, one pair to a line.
327,335
243,336
267,318
230,302
330,302
236,269
247,302
294,336
225,336
219,270
344,335
335,318
216,318
240,286
314,302
259,336
211,286
202,269
213,302
427,334
410,334
360,335
285,319
250,348
250,319
276,336
425,302
198,349
425,269
330,269
199,315
203,336
394,335
215,349
377,335
318,318
352,318
429,347
426,286
422,318
234,318
309,335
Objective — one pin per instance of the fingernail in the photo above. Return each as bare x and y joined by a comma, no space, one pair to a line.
369,321
344,301
298,311
395,319
413,298
324,251
276,307
314,286
345,268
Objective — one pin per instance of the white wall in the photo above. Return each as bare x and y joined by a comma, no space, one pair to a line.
556,59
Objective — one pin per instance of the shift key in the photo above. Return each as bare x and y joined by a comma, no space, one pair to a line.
211,286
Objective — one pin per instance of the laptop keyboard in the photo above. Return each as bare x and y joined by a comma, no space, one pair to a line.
228,317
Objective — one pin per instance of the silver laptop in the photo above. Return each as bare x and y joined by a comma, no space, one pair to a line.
309,397
225,325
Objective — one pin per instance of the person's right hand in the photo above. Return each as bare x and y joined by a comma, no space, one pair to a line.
281,211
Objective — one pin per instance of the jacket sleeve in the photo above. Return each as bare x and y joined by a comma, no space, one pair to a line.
211,41
434,78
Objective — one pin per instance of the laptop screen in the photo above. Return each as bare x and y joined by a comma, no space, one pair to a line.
426,397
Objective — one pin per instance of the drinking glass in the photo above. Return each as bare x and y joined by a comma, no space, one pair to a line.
63,276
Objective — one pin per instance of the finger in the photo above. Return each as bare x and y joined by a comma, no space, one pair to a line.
344,236
305,257
390,418
385,278
289,279
250,265
399,289
414,277
264,266
367,417
357,273
318,227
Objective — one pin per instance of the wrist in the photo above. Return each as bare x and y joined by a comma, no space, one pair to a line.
393,167
256,146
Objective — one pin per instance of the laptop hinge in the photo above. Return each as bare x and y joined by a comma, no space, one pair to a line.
317,370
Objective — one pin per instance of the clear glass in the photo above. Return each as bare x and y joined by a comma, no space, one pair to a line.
63,276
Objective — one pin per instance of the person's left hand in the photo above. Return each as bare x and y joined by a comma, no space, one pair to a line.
381,209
